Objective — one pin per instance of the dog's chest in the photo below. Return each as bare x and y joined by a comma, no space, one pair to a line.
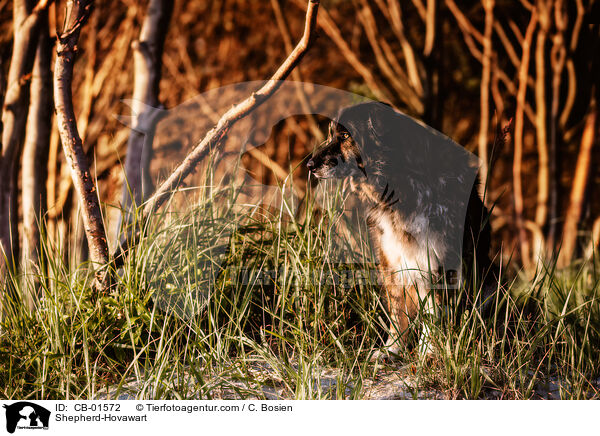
407,247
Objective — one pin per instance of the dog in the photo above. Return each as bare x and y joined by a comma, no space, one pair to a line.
426,220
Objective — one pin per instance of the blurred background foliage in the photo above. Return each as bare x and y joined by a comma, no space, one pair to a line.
464,68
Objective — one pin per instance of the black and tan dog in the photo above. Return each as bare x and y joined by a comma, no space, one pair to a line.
425,217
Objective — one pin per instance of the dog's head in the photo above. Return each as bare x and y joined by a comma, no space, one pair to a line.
338,157
356,144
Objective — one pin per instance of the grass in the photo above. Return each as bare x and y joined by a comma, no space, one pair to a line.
224,300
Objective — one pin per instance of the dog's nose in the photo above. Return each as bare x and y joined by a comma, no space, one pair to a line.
310,165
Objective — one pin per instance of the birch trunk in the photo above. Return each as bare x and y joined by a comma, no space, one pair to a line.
14,116
148,50
35,153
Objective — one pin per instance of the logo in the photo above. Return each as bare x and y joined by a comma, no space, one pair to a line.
26,415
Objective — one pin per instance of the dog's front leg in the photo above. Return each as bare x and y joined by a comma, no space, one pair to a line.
402,302
425,342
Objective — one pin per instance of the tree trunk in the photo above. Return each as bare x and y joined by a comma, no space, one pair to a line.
541,211
77,13
148,50
14,116
557,60
35,153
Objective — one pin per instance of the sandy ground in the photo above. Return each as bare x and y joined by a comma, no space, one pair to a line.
389,383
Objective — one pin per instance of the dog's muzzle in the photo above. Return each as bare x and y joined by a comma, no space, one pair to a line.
323,168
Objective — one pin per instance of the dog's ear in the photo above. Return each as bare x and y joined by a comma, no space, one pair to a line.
370,124
381,119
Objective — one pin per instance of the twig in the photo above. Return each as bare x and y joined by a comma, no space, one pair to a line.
420,8
510,50
395,17
468,30
571,69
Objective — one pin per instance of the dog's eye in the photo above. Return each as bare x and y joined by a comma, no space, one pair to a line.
345,135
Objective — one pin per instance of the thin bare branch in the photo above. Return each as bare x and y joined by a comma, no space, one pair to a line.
429,27
516,31
581,179
331,29
394,14
518,141
578,23
398,79
527,5
468,30
571,93
544,9
488,5
571,73
287,40
420,8
463,21
510,50
215,135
